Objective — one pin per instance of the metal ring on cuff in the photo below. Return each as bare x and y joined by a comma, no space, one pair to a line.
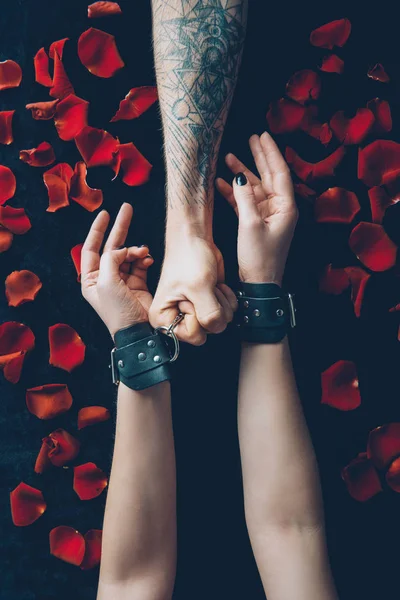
169,331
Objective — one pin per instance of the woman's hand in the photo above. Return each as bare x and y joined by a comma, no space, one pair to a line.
266,209
114,283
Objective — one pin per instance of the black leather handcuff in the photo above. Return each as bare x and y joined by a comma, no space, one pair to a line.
265,313
142,355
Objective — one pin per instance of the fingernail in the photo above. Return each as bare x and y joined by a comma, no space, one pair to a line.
241,179
143,246
149,256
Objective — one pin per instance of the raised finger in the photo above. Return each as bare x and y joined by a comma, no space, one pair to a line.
226,190
261,163
279,169
236,166
90,259
120,228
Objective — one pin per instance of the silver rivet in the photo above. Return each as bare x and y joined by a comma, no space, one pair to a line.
246,319
151,343
256,312
246,304
141,356
279,312
157,359
120,363
240,294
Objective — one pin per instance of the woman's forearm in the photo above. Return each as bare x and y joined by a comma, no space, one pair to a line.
281,484
139,534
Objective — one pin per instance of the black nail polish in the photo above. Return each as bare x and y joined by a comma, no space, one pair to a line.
241,179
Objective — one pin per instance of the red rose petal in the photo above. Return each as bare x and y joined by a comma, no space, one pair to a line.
58,183
285,115
96,146
98,52
304,86
41,64
16,340
89,481
70,117
135,167
81,193
103,9
14,219
67,350
335,33
393,475
361,478
380,201
136,102
340,386
312,171
67,544
43,462
395,308
373,247
48,401
10,74
6,135
22,286
379,162
6,238
8,184
42,156
304,191
382,113
352,131
310,124
336,205
63,447
384,445
333,281
358,279
43,111
93,549
90,415
57,47
76,253
332,64
62,86
27,505
378,73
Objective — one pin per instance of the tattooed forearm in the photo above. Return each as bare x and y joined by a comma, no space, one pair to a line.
198,45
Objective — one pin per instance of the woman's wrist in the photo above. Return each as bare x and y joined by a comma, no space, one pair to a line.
125,325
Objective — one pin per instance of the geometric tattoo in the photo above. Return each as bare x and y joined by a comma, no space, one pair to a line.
198,45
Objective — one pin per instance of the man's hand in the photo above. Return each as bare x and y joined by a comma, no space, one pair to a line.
114,283
192,283
266,209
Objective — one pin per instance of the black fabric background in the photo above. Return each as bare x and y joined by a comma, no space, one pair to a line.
215,559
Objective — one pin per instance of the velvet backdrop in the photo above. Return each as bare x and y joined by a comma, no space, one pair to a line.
215,559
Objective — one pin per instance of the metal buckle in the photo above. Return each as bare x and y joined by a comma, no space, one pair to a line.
114,372
169,331
292,311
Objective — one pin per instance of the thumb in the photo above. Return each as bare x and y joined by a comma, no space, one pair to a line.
209,312
245,200
110,263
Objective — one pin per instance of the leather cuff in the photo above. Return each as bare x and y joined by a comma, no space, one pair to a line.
140,357
265,313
